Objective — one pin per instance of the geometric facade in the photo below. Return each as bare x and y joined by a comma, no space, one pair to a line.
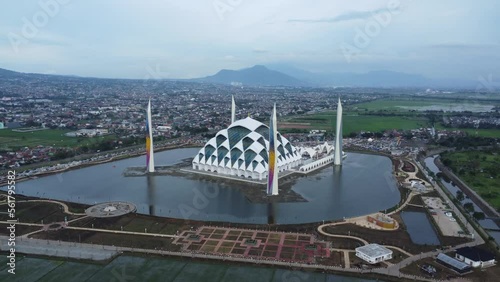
243,150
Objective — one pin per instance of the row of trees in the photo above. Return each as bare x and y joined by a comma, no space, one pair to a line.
469,206
465,142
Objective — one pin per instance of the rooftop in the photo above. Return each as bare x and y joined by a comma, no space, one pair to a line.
374,250
475,254
456,264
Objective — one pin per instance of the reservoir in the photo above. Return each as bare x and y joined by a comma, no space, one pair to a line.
363,185
420,229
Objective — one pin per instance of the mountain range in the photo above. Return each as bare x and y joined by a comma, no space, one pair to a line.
283,75
256,76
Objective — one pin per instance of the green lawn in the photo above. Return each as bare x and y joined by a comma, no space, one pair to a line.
406,105
479,170
357,123
493,133
50,137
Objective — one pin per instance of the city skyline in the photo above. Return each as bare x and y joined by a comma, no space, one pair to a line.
170,39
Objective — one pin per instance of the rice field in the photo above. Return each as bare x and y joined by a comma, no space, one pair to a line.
131,268
358,123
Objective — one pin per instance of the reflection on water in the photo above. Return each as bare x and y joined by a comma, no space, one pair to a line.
271,214
151,186
358,187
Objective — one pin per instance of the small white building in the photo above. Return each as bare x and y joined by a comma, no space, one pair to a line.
163,128
475,257
373,253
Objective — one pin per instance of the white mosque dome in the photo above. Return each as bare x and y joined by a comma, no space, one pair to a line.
242,149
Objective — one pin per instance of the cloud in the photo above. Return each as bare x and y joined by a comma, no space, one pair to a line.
260,51
349,16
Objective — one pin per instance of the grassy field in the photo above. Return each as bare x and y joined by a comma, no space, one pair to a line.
357,123
405,105
493,133
479,170
408,113
50,137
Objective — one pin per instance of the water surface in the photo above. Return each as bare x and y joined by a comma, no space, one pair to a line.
363,185
420,228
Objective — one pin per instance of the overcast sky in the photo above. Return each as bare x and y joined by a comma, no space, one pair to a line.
194,38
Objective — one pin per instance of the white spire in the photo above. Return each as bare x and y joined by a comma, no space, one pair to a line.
272,174
233,110
338,136
150,162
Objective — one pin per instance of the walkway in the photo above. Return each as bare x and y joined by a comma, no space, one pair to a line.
410,196
320,230
96,229
66,208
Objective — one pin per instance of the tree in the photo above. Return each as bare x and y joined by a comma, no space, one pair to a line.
446,162
460,196
469,207
478,216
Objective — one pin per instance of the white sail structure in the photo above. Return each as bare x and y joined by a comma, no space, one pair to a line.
338,136
272,174
233,110
150,161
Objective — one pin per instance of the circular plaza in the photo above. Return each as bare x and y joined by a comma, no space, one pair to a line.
110,209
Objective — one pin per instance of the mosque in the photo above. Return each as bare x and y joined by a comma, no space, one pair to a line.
251,149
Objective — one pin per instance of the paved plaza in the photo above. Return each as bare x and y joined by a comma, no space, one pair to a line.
254,243
448,224
110,209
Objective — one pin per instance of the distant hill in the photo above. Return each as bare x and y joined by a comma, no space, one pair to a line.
8,73
256,76
285,75
381,78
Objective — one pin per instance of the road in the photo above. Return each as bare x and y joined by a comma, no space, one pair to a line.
395,269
